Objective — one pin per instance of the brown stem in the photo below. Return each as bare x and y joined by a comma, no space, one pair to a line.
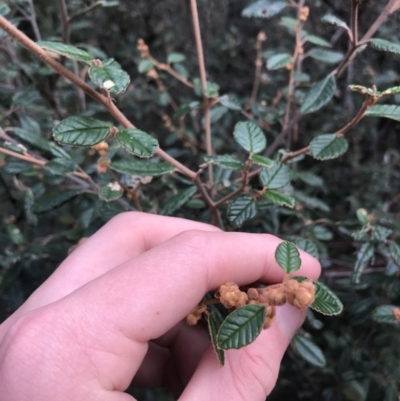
103,100
258,63
34,21
86,10
354,21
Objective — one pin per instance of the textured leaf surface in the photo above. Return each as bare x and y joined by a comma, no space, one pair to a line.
309,351
384,314
225,161
110,76
241,327
66,50
276,176
307,246
137,142
264,8
319,95
385,45
279,61
262,161
242,208
326,56
279,198
364,255
33,138
288,257
213,330
142,168
81,131
250,137
52,200
328,146
326,301
60,166
391,111
177,201
110,192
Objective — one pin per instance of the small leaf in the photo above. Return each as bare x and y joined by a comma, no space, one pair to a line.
68,51
275,177
250,137
211,90
384,314
15,234
225,161
279,198
326,301
391,111
307,246
364,90
4,9
364,255
60,167
362,216
394,251
385,45
145,66
177,201
110,192
391,91
331,19
288,257
311,202
81,131
328,146
319,95
309,351
381,233
213,330
137,142
175,58
262,161
264,9
289,23
316,40
110,76
242,208
33,138
326,56
241,327
142,168
52,200
279,61
230,103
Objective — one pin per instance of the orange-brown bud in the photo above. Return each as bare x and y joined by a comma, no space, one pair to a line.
102,165
302,295
253,294
230,295
396,314
304,13
267,323
275,294
100,146
192,319
261,36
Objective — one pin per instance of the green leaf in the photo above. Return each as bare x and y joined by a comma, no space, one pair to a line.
326,56
18,148
385,45
326,301
145,66
391,91
241,327
250,137
275,177
381,233
68,51
328,146
288,257
211,90
183,110
279,61
15,234
217,113
52,200
307,246
331,19
177,201
81,131
310,178
262,161
362,216
316,40
311,202
225,161
319,95
142,168
394,251
175,58
110,192
137,142
213,330
110,76
230,103
309,351
264,9
364,255
289,23
279,198
33,138
242,208
60,167
4,9
384,314
391,111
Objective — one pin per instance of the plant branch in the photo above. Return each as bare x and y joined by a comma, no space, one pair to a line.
86,10
103,100
203,77
33,20
354,21
258,63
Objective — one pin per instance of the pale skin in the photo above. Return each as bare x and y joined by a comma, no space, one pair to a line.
114,311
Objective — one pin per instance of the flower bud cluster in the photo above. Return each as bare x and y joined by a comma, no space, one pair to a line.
231,296
195,315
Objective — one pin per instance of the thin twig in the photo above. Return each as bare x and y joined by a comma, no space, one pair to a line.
258,63
33,20
86,10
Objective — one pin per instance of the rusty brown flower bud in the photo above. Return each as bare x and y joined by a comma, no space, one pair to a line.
302,295
304,13
275,294
192,319
253,294
230,295
102,165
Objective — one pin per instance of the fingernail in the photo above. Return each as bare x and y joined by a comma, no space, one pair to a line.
289,319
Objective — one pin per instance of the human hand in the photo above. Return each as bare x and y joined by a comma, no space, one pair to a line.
115,308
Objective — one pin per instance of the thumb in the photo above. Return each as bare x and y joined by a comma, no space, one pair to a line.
251,372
